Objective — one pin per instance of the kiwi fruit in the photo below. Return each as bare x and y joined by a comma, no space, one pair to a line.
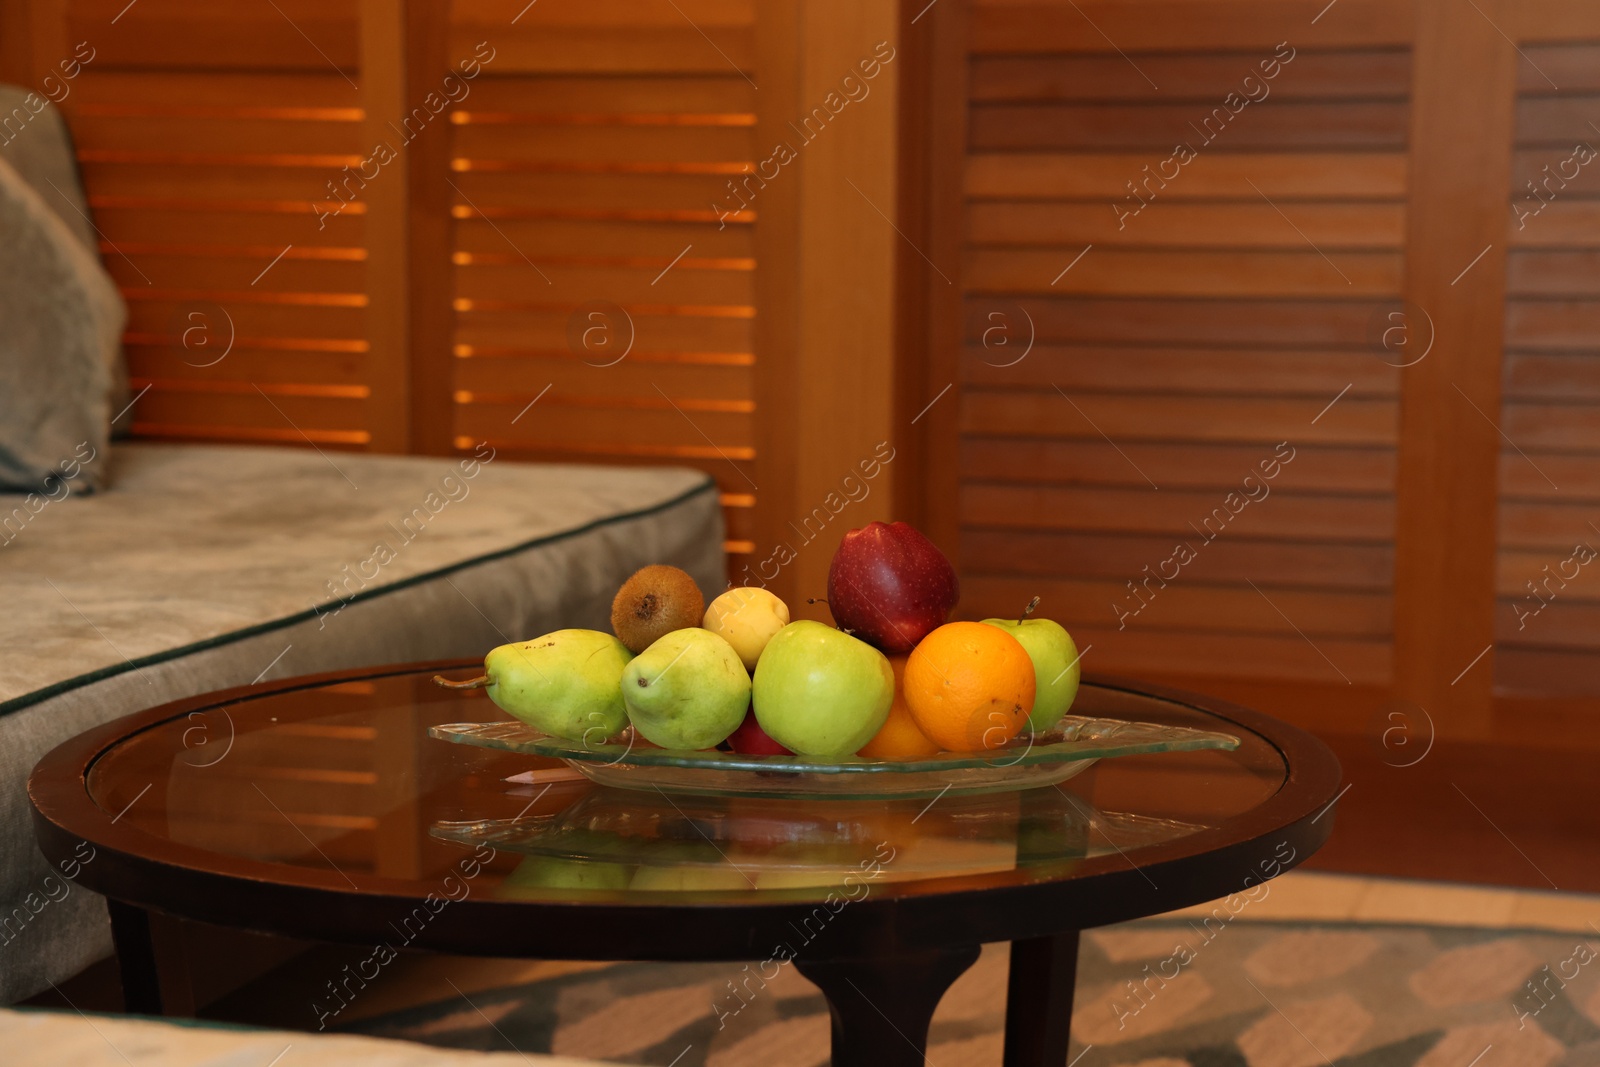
655,601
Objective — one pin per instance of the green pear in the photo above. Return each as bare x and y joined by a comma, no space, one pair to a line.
686,691
549,872
820,692
1055,667
566,684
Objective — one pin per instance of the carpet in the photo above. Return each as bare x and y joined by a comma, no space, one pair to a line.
1157,993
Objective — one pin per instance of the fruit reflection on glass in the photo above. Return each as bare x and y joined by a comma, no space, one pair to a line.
969,686
1055,665
820,692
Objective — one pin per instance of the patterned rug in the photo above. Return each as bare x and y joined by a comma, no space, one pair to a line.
1154,993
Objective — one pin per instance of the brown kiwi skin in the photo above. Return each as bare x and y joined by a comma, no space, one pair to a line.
655,601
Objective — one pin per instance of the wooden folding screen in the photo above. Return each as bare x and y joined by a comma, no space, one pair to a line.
1190,241
595,277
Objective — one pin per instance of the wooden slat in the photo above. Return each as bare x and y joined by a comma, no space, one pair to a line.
1156,418
1528,165
1557,122
1196,371
241,278
543,195
1573,65
1115,272
556,425
1181,224
1368,125
1201,77
679,49
1268,323
1186,605
1136,651
284,188
604,15
1123,556
573,285
1283,176
1574,477
1572,221
164,317
724,96
528,142
245,407
1519,567
314,36
132,227
1545,325
600,241
1547,526
1358,520
1024,26
568,377
218,136
1541,274
1189,464
205,92
244,364
547,331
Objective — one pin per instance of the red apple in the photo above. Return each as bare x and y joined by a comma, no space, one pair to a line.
751,740
891,586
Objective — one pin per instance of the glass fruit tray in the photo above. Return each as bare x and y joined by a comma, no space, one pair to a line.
1025,762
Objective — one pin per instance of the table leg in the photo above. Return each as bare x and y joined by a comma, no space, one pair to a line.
1039,1000
136,958
881,1007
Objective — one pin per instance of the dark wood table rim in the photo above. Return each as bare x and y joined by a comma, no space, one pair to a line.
149,872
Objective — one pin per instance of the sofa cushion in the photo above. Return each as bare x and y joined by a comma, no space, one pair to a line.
63,326
37,144
210,567
50,1038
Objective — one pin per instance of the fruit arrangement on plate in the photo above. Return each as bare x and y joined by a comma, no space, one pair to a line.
894,680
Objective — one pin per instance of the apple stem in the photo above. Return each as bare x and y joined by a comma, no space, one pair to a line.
817,600
471,683
1029,609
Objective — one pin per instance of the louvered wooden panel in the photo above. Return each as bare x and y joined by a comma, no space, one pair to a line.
586,162
1548,620
208,135
1178,338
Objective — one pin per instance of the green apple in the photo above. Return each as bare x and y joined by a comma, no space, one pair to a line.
687,691
746,617
567,683
1055,667
548,872
687,879
820,692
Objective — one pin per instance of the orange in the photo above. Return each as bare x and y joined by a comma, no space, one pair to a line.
969,686
899,738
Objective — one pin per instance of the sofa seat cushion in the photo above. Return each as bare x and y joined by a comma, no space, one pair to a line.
210,567
49,1039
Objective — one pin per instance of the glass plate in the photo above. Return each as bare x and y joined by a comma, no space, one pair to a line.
1024,763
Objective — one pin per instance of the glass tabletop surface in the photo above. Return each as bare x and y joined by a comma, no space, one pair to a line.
344,778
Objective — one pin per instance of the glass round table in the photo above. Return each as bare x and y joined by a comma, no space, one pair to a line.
322,808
